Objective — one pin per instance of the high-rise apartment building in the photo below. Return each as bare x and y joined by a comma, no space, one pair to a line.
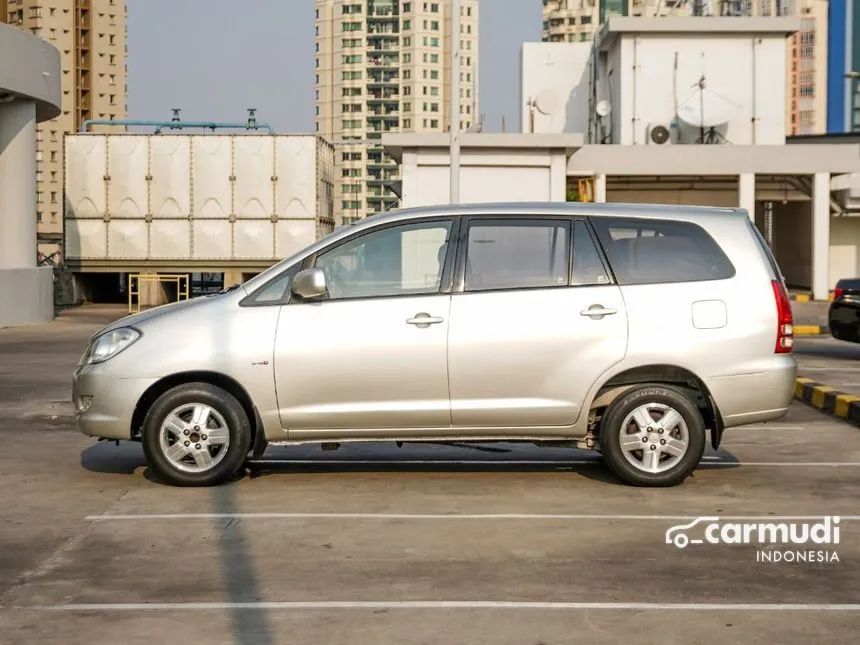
90,35
384,66
843,62
806,71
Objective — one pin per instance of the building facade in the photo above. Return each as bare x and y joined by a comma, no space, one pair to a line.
91,38
843,92
807,69
384,66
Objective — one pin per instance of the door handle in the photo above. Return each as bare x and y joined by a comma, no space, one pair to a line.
598,311
423,320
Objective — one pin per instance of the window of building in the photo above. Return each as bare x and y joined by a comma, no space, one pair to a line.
352,26
111,39
351,59
434,123
434,91
407,7
434,25
434,7
434,42
407,25
53,155
434,74
517,254
434,58
643,251
352,188
407,123
395,261
351,172
434,107
53,197
407,58
35,12
407,41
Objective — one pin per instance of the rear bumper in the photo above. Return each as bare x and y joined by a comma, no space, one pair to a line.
105,404
757,397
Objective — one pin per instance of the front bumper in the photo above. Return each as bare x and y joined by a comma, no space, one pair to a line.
105,404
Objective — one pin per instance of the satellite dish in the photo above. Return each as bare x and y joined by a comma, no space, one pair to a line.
707,108
546,101
603,109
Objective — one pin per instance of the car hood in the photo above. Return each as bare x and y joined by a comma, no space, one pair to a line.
155,312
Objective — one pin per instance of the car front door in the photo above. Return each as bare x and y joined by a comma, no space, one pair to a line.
535,321
370,358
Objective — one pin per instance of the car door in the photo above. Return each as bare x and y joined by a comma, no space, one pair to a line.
370,359
535,321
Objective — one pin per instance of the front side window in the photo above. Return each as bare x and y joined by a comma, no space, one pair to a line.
395,261
276,292
517,254
646,251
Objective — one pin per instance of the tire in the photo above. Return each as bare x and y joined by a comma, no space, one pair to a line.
171,434
667,457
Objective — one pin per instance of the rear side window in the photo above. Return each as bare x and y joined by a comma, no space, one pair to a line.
762,243
517,254
646,251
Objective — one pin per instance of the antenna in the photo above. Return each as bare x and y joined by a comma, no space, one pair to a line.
707,110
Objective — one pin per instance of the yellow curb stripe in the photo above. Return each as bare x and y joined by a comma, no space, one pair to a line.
807,330
799,385
818,393
801,297
843,404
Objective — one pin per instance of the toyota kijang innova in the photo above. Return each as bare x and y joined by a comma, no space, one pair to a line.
638,331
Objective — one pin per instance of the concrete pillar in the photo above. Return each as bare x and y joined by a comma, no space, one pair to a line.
820,235
232,277
746,193
600,187
557,176
17,185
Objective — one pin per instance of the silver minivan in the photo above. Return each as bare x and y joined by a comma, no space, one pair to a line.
639,331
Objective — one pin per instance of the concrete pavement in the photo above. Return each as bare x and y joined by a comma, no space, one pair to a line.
424,544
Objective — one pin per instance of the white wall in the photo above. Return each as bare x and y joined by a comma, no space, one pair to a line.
484,177
747,69
844,249
556,76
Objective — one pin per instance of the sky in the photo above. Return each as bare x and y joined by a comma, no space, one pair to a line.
215,58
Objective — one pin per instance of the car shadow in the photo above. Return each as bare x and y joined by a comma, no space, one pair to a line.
128,459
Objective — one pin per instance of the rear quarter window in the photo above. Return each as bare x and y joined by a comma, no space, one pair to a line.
647,251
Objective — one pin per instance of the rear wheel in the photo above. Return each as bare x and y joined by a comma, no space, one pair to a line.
652,436
196,435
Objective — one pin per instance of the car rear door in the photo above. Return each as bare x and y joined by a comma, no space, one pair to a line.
535,320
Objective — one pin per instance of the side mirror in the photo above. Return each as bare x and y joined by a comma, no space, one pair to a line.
309,284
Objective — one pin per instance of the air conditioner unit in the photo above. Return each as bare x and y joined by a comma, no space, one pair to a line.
661,134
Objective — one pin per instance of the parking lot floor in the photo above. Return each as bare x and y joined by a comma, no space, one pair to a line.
421,544
832,362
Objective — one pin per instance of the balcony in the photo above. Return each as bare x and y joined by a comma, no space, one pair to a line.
383,61
382,80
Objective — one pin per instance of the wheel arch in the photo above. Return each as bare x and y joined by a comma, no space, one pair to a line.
665,374
217,379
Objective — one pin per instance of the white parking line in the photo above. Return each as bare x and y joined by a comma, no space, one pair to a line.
446,516
453,604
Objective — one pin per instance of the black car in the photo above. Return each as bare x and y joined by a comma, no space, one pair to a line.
843,317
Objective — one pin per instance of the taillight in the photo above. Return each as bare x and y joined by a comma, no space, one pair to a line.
838,292
784,317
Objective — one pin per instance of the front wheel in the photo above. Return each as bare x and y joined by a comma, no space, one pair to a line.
652,436
196,434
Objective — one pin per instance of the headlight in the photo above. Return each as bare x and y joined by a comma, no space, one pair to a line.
109,345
